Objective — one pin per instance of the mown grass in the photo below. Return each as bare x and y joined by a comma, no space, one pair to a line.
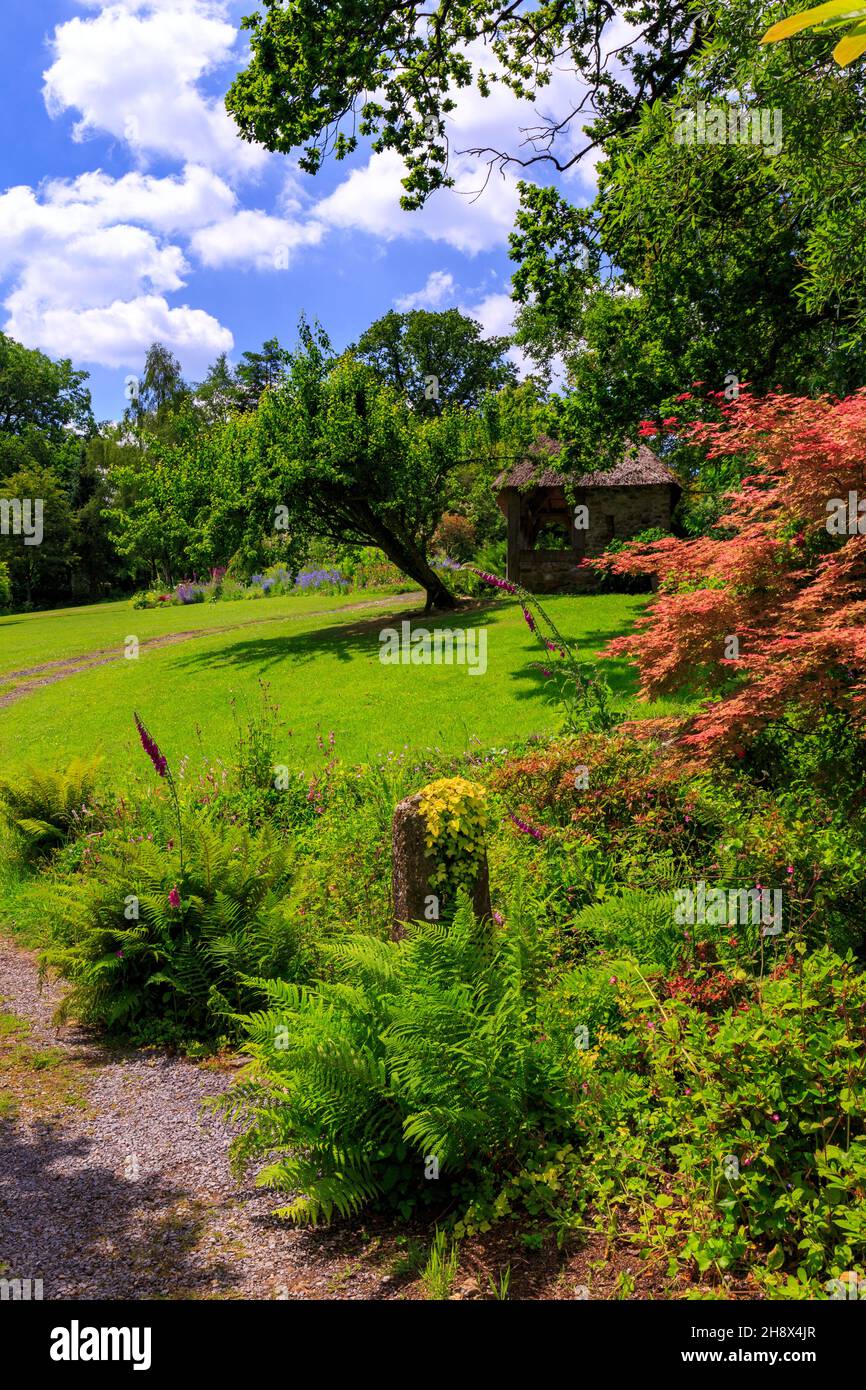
324,672
34,639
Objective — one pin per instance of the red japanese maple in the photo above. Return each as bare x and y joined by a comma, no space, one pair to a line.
776,579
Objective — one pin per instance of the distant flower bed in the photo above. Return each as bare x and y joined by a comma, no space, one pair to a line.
273,582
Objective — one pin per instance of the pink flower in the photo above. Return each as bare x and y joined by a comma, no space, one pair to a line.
174,898
159,760
525,827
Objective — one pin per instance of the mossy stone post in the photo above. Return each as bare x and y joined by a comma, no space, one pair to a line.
417,896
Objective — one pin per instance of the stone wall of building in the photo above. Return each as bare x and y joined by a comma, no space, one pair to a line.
614,514
622,512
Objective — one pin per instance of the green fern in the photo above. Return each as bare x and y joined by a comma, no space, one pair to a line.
175,971
415,1062
638,925
47,807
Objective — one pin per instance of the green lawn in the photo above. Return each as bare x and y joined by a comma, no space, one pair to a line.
324,671
32,639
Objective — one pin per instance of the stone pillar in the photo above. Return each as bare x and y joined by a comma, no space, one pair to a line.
412,868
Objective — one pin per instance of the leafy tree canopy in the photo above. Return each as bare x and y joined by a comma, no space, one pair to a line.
435,359
325,73
39,394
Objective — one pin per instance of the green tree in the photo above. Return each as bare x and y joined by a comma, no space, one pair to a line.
435,359
158,396
218,395
38,394
333,453
258,372
39,572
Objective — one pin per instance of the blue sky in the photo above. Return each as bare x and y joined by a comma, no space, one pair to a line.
130,209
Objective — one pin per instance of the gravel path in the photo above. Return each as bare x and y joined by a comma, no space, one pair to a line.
128,1195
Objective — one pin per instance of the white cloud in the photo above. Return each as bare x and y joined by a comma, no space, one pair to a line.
369,201
134,71
253,238
95,269
82,283
439,286
178,204
118,334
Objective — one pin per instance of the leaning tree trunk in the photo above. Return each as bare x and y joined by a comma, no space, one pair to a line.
410,560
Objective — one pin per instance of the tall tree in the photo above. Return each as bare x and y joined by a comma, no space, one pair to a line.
258,372
435,359
159,395
217,396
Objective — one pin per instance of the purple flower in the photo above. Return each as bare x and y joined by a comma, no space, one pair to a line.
498,918
526,828
496,581
174,898
530,621
151,748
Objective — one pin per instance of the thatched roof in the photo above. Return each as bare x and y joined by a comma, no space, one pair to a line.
638,468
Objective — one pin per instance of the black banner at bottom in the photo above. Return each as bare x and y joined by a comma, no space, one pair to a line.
229,1338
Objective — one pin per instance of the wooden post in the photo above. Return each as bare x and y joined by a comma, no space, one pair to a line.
512,561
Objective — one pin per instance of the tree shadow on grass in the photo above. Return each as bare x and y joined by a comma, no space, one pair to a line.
344,642
619,673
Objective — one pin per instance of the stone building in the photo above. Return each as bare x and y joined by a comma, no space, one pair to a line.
548,538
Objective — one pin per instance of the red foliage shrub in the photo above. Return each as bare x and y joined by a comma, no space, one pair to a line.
455,536
792,593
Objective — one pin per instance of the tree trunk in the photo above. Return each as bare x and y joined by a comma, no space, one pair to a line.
410,560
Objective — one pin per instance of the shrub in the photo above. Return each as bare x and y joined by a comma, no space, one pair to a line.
766,1116
455,536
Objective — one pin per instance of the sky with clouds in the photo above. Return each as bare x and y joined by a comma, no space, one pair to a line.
130,209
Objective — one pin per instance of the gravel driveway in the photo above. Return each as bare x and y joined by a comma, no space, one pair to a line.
127,1193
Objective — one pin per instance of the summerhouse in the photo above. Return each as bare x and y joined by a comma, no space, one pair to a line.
554,522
